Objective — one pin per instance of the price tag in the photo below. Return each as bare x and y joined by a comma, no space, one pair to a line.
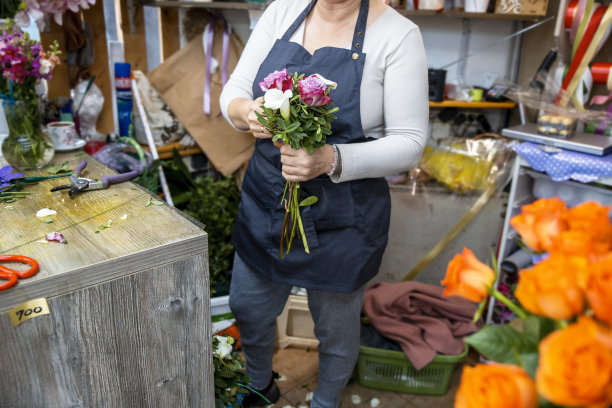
28,310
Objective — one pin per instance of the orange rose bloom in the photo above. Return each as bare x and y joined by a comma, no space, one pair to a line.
575,366
599,288
578,243
539,222
495,386
552,287
592,218
467,277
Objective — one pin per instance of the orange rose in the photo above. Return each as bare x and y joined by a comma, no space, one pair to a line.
552,287
539,222
578,243
575,366
592,218
495,386
467,277
599,288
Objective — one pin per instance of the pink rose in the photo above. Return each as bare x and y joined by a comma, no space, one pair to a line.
277,79
312,91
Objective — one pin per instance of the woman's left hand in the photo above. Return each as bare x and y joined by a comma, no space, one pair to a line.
301,166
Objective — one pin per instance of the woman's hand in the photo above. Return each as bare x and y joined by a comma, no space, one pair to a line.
258,130
301,166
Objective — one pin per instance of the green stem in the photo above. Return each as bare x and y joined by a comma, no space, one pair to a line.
514,308
15,193
480,310
561,324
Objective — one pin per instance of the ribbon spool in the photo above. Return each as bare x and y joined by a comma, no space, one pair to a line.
570,14
594,33
601,73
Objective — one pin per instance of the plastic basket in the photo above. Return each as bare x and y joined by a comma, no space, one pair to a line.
391,370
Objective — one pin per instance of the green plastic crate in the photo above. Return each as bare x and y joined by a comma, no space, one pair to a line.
391,370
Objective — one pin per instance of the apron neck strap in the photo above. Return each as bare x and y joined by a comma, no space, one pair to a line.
298,21
360,26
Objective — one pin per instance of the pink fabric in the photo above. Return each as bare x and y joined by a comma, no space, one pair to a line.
417,316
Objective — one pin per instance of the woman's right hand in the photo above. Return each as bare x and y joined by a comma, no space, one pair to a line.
258,130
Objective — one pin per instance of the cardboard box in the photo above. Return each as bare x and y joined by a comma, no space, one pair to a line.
521,7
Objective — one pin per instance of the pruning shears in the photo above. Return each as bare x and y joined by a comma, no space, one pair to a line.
80,184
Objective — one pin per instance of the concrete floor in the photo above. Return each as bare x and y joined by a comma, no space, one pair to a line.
298,369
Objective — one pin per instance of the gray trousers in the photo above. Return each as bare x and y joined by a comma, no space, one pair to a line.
256,303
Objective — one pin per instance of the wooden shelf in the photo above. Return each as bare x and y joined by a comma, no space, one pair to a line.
474,105
459,13
229,5
235,5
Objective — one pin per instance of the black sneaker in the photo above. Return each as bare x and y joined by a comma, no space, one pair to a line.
262,398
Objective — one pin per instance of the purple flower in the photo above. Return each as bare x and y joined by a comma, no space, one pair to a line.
6,176
277,79
313,91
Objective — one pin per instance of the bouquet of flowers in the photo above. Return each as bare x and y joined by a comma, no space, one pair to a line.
558,353
230,379
42,10
23,63
297,111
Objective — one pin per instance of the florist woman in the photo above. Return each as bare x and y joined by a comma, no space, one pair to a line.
377,59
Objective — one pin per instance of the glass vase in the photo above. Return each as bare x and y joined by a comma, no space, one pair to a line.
27,146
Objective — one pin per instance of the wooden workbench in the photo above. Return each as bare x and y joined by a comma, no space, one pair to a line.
129,306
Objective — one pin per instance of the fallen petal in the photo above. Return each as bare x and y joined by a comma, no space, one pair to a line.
356,399
45,212
56,236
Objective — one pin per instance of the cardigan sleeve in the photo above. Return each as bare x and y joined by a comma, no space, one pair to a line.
406,117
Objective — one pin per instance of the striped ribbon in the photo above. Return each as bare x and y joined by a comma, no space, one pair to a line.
594,33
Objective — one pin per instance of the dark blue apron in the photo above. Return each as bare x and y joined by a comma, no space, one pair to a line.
347,228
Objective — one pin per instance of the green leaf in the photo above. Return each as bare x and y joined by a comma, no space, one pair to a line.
309,201
538,327
502,343
47,220
59,168
157,202
10,207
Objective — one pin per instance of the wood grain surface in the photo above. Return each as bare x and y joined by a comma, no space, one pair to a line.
88,258
129,306
138,341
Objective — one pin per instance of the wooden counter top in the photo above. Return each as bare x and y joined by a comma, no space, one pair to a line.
89,257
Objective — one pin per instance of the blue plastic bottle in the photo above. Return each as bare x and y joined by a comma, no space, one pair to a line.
123,90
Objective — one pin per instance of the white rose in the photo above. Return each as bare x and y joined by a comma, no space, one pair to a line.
224,347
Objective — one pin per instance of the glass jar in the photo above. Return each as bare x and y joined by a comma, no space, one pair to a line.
27,146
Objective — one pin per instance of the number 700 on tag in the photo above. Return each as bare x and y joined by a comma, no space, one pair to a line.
28,310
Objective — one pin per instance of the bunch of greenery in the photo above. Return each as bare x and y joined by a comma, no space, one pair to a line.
212,200
230,378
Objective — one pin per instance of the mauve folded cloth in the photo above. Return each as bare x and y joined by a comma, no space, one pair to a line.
420,319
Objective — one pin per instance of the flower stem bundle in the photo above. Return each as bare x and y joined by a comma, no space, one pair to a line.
297,111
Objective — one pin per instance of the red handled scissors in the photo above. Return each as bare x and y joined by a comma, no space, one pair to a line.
11,275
